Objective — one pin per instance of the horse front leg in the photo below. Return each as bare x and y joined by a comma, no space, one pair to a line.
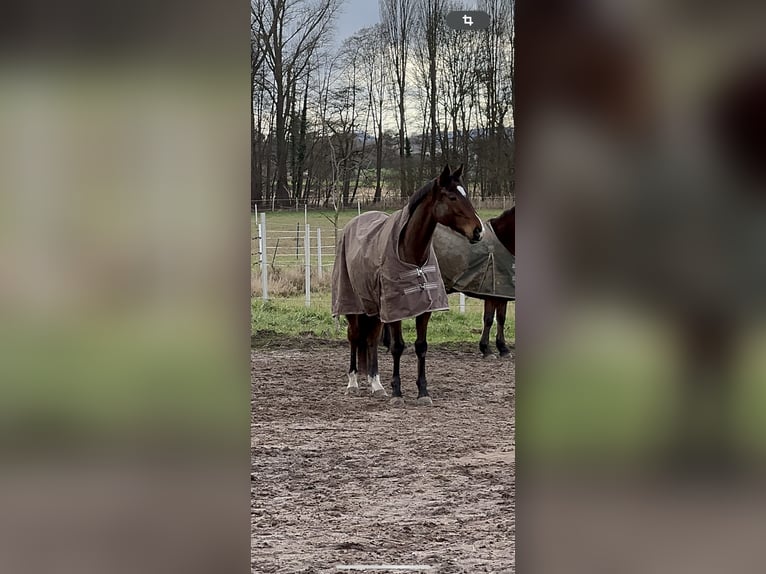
421,346
502,308
373,376
397,348
489,316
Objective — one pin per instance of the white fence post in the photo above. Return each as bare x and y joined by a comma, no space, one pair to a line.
307,250
319,252
264,266
462,303
358,207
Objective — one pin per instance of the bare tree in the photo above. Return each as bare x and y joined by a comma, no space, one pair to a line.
288,33
371,51
374,64
431,17
496,74
457,85
397,18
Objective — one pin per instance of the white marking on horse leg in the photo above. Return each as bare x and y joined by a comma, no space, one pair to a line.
376,389
353,383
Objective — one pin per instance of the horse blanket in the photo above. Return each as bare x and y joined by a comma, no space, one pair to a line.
369,278
482,269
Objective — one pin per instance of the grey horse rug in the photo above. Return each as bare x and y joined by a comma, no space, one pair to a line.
481,269
369,278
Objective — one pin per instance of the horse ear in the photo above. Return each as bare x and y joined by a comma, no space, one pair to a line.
458,172
444,178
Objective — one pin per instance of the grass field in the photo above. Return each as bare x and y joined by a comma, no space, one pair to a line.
289,316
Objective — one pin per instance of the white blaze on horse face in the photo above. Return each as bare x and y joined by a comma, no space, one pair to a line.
352,381
375,383
461,190
482,225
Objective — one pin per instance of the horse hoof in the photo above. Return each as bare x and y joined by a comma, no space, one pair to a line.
425,402
489,357
352,391
379,394
397,402
505,354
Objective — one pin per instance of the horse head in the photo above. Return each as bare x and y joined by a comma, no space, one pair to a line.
452,206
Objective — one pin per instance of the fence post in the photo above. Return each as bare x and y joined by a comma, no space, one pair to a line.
297,240
358,207
462,303
319,252
264,266
307,250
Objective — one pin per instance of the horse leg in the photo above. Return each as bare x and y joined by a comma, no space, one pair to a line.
502,308
353,337
397,348
373,376
489,316
387,336
361,344
421,346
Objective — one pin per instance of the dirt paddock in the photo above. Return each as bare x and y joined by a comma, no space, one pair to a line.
339,480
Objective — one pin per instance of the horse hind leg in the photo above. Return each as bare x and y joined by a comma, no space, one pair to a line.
386,340
373,375
353,339
500,342
489,316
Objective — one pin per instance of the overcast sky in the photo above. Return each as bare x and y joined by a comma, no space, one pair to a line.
355,14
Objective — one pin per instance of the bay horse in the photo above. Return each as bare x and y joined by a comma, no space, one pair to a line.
473,270
385,271
504,226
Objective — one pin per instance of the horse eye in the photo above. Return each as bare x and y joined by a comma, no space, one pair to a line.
452,197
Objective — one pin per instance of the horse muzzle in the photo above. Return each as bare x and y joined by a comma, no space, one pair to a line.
478,234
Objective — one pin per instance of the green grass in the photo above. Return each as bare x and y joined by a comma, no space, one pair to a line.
291,318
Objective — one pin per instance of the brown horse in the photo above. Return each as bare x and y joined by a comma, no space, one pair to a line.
504,226
386,271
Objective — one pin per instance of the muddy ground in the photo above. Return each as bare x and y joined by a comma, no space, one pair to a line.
339,480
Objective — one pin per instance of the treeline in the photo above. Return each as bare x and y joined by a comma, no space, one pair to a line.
384,110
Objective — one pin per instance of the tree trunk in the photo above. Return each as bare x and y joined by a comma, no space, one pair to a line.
402,159
378,161
281,191
432,103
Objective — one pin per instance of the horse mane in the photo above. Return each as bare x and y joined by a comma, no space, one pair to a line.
418,196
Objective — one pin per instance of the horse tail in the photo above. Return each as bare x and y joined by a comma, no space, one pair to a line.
386,336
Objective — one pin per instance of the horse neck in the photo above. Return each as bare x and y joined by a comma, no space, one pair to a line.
417,234
505,231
